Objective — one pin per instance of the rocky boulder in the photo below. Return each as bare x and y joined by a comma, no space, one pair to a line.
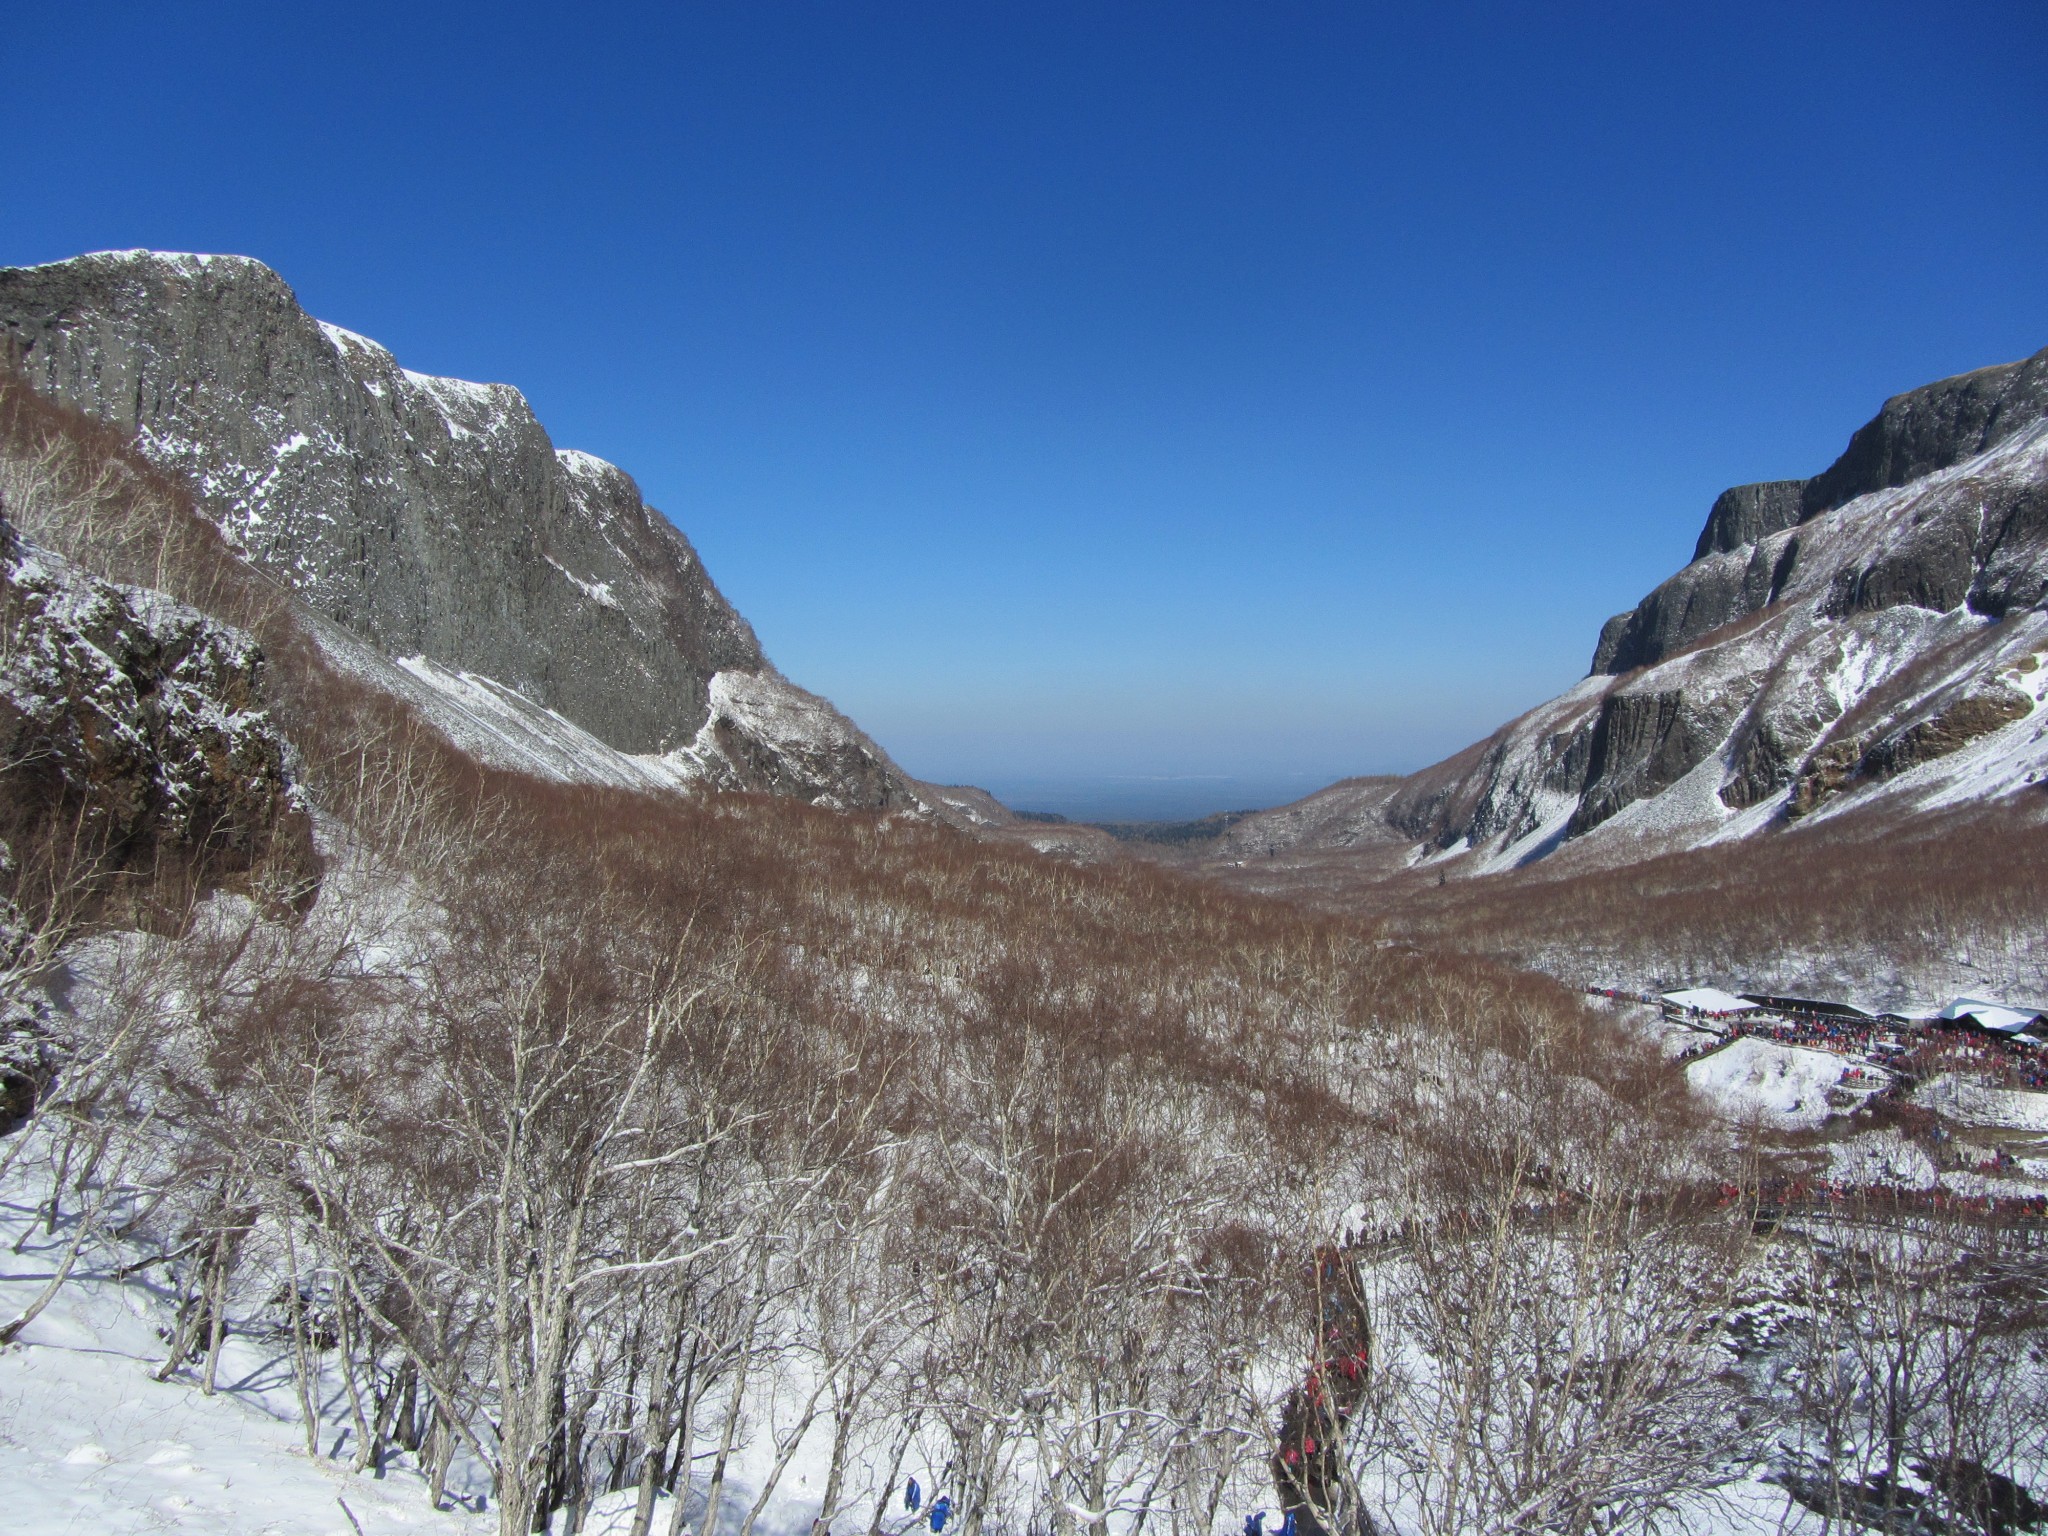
133,734
1843,764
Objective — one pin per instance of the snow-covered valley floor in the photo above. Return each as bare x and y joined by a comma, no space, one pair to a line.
91,1442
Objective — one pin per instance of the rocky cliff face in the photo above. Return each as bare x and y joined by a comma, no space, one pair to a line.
431,517
132,730
1740,567
1932,428
1743,514
1875,633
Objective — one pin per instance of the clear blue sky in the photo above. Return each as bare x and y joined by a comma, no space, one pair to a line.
1106,388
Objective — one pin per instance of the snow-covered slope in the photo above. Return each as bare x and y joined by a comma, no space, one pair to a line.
1877,644
90,1440
763,734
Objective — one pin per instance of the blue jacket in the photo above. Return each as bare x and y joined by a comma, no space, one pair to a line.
942,1511
913,1496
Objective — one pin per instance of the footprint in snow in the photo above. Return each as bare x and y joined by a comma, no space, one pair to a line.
88,1456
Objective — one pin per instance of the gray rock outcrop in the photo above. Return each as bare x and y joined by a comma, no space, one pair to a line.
1742,514
431,517
1850,603
1739,568
132,732
1832,639
1931,428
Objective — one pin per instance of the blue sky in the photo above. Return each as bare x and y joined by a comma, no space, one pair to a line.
1235,394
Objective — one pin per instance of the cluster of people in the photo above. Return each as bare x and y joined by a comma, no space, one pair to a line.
2011,1063
1824,1032
1939,1046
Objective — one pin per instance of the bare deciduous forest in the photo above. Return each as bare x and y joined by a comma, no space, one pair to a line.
1925,893
609,1142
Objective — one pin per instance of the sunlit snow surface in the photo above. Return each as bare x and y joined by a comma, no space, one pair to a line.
91,1443
500,726
1783,1085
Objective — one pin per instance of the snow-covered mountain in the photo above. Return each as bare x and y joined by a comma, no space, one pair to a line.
525,597
1871,639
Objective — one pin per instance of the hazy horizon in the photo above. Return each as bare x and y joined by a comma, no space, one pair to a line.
1150,797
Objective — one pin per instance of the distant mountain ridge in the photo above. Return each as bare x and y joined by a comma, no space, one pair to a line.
1873,637
520,587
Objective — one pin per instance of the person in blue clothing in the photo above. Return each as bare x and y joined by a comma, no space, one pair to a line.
942,1511
912,1496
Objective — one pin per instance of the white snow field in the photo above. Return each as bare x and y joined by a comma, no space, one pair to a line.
90,1442
1784,1086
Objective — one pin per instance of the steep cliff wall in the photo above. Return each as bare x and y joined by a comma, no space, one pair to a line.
430,517
1878,631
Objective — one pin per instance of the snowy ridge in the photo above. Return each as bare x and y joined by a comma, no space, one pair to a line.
577,462
433,519
347,341
1887,655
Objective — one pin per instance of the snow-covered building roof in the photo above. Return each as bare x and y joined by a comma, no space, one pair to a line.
2000,1018
1710,1000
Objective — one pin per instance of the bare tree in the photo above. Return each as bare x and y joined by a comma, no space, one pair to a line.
1917,1379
